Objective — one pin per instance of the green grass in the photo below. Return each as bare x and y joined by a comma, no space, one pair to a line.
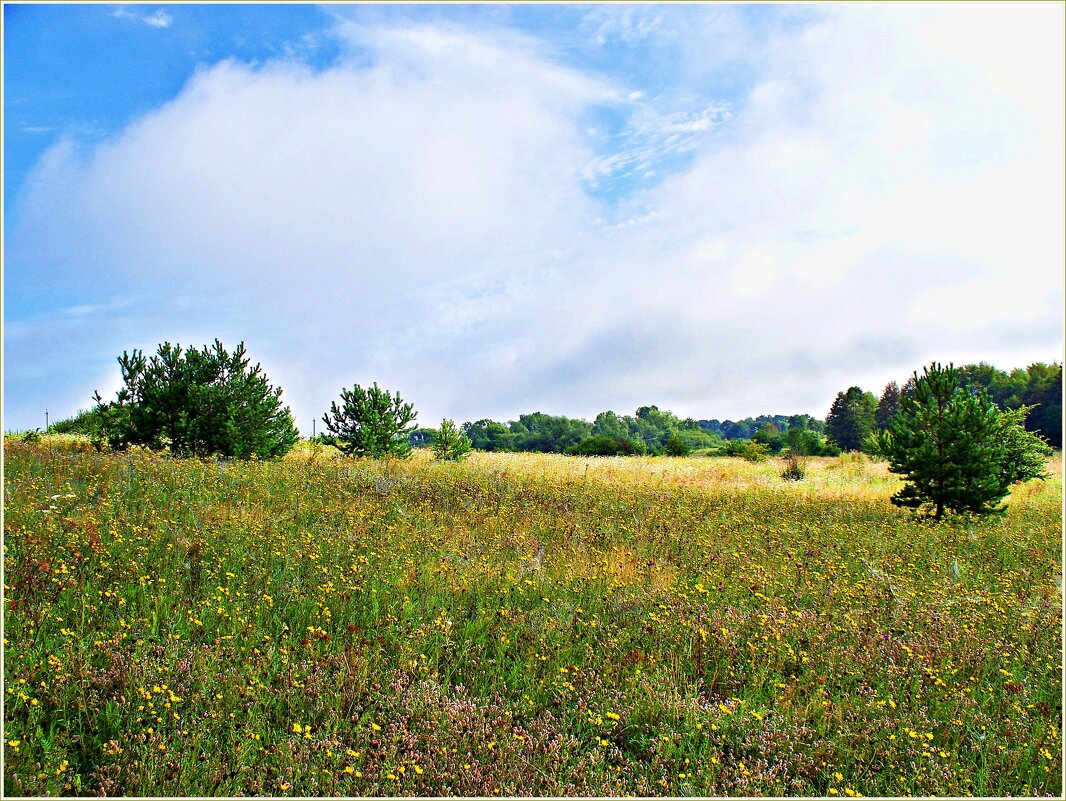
320,626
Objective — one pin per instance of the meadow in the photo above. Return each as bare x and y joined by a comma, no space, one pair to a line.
520,624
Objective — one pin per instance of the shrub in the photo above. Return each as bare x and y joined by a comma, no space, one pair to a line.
804,442
746,449
676,446
89,423
603,445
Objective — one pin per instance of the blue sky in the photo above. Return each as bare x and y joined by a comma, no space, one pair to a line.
724,210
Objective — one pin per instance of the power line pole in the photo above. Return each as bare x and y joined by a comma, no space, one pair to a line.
45,419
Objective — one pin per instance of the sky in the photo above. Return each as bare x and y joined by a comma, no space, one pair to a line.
723,210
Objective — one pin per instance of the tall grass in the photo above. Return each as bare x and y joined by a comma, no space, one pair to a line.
520,624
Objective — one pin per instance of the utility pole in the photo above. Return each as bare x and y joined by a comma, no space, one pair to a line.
45,419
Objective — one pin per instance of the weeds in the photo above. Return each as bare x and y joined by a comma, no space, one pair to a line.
795,468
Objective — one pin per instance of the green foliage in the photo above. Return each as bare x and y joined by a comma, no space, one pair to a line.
851,419
956,451
1026,452
88,422
371,422
488,435
197,402
746,449
450,444
1044,392
647,431
804,442
746,428
1039,385
770,436
675,445
545,433
423,437
603,445
655,427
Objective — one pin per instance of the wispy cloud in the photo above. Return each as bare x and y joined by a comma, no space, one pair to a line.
629,24
650,139
157,19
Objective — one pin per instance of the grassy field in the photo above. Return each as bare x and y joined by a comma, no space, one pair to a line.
520,625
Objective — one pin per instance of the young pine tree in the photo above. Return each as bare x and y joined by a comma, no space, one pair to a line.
955,450
451,444
370,422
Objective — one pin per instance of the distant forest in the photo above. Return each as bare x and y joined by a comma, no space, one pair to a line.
855,415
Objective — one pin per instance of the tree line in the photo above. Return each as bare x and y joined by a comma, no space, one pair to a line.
960,437
650,430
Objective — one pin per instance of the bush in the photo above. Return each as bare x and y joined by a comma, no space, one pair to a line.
90,423
603,445
804,442
745,449
676,446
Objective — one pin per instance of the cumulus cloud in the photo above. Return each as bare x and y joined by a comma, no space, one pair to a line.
889,190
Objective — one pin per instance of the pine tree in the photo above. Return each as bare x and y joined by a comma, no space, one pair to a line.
888,406
370,422
451,444
206,402
851,419
954,448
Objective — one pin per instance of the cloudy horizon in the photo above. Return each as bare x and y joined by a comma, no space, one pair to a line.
722,210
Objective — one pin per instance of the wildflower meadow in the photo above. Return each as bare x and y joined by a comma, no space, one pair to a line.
520,624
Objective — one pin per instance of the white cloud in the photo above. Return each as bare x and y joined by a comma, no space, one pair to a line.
328,218
157,19
891,191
